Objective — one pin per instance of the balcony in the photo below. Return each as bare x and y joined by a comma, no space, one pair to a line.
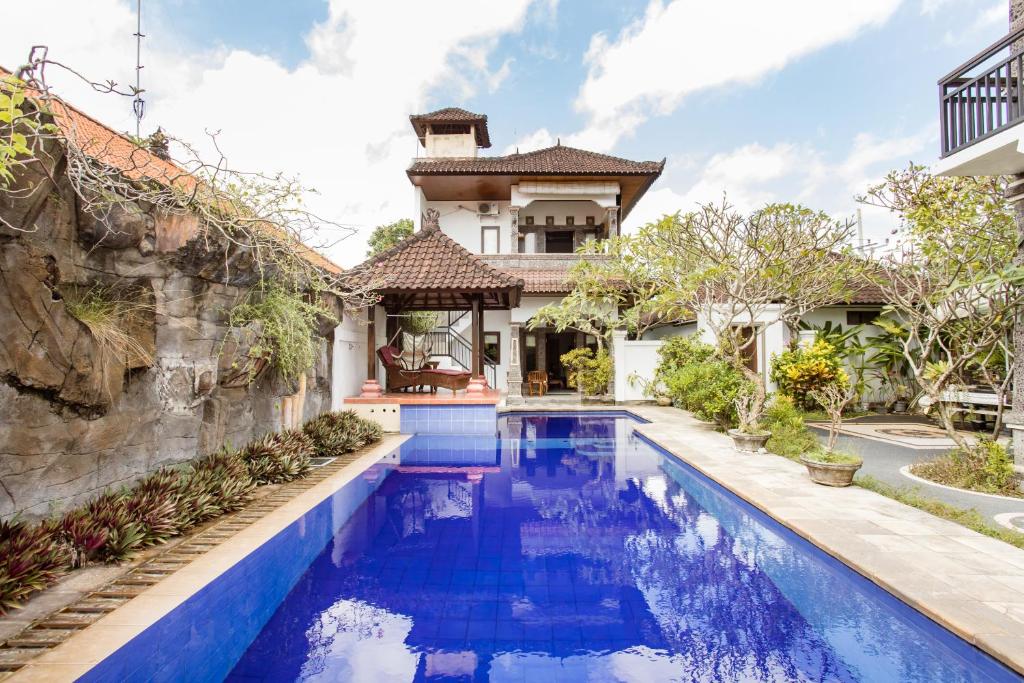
980,107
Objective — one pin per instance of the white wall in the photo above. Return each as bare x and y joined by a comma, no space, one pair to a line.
639,357
461,222
579,210
669,331
348,363
772,338
529,305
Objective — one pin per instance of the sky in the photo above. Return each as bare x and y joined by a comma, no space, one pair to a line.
807,101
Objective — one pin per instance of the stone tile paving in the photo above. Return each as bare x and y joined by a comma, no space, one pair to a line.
969,583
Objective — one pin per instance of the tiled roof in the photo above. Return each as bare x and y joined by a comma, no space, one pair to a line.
115,150
550,281
557,160
430,260
453,115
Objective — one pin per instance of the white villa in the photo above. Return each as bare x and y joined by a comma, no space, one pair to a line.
494,239
507,229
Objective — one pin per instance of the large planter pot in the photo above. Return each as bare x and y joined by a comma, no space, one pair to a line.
899,407
664,401
831,473
748,443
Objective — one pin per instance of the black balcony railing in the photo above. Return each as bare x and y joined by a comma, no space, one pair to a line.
983,95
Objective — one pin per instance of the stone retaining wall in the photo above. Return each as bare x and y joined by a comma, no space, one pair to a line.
73,418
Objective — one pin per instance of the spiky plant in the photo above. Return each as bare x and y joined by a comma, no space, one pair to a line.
125,533
339,432
278,457
31,559
216,484
153,502
82,535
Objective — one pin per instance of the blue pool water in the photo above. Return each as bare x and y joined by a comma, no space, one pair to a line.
571,549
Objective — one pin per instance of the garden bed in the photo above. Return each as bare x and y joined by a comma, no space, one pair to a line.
972,472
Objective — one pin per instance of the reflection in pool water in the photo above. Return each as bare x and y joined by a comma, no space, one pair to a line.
570,549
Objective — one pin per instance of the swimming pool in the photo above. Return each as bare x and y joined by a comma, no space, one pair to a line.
567,548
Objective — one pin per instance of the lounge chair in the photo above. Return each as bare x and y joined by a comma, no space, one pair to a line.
400,377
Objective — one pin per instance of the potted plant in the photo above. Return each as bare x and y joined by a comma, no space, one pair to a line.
828,466
749,436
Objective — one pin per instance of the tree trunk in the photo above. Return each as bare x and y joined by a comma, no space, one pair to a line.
759,397
946,420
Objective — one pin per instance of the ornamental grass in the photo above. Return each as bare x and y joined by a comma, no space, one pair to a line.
166,503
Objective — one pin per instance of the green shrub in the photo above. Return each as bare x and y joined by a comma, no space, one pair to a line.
214,485
31,558
278,457
708,389
986,467
286,324
790,437
588,371
799,371
679,352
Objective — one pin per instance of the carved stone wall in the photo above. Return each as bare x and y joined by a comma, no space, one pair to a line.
74,419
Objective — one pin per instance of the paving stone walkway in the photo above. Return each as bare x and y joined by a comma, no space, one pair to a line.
970,583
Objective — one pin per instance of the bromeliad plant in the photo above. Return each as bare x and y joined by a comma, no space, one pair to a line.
166,503
340,432
279,457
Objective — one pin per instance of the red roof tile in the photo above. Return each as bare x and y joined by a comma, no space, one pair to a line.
117,151
557,160
430,260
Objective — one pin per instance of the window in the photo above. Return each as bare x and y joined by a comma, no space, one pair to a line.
549,220
522,243
559,242
529,220
489,239
591,221
570,220
530,353
861,317
492,346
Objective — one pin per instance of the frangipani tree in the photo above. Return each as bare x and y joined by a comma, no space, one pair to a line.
615,286
953,291
735,270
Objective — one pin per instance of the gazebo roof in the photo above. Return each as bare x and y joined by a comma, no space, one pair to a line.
430,271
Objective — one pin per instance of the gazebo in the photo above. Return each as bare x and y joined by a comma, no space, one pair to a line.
430,271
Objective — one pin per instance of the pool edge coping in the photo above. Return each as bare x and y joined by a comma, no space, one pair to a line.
897,581
77,655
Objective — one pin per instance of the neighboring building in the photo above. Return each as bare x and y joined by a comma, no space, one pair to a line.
981,108
508,221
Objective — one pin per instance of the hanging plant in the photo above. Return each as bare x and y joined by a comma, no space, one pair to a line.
285,327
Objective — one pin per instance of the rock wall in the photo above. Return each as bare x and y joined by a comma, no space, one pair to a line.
74,419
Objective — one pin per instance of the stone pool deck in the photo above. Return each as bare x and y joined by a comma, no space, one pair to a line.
970,583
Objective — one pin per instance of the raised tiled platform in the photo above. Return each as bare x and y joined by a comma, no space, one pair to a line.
441,398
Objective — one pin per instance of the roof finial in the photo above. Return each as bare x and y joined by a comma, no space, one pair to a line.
558,142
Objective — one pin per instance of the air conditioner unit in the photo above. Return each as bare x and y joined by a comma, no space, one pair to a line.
487,209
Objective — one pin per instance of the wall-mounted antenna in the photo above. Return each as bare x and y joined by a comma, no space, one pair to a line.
138,104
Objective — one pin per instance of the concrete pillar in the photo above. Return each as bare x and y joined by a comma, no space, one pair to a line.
371,387
514,229
515,370
477,382
612,219
542,349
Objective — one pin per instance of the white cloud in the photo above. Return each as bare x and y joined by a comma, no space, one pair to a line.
686,46
340,117
753,175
